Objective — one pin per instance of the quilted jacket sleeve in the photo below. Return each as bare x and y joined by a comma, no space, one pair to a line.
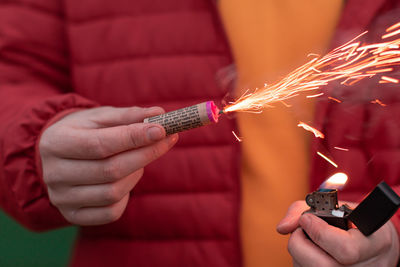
34,89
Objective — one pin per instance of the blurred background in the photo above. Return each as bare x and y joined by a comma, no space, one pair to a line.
20,247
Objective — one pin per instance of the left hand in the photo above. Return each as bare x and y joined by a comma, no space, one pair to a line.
332,246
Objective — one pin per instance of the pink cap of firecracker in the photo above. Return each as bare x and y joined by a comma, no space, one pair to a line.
212,111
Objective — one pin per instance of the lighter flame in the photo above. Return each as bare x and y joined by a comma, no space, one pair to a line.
351,63
310,129
336,181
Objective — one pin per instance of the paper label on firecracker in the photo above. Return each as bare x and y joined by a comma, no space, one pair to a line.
182,119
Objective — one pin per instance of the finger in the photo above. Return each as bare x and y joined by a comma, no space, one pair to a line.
296,264
347,247
110,116
290,222
94,195
105,142
89,172
306,253
97,215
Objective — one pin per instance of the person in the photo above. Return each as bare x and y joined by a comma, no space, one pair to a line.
75,78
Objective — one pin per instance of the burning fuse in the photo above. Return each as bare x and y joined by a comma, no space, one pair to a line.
370,215
187,118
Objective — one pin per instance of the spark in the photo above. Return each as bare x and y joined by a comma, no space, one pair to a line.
334,99
316,95
393,27
380,70
391,34
389,79
349,63
307,127
341,148
327,159
384,81
237,137
286,104
377,101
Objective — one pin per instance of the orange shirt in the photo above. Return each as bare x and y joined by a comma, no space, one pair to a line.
270,38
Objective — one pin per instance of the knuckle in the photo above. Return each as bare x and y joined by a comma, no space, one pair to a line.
44,144
112,194
388,238
49,141
95,146
111,215
51,176
154,152
70,216
292,243
348,254
112,170
315,234
55,199
291,246
134,136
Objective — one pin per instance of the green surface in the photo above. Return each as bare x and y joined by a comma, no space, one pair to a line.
20,247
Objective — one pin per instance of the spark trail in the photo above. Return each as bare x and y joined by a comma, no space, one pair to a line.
351,63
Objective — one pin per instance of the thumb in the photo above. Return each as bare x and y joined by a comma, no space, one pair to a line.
111,116
291,220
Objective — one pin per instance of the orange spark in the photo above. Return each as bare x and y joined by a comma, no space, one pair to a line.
311,129
389,79
391,34
334,99
327,159
393,27
237,137
317,95
379,71
341,148
349,63
286,104
377,101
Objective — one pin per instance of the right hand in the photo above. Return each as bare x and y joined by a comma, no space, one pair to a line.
93,158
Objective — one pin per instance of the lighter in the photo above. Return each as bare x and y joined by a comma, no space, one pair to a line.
324,204
372,213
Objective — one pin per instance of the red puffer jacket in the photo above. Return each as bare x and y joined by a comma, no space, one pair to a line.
59,55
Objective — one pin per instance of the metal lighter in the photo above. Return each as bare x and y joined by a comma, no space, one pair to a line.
324,204
370,215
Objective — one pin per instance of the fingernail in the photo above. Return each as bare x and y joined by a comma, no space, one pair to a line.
155,133
155,110
174,138
281,224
